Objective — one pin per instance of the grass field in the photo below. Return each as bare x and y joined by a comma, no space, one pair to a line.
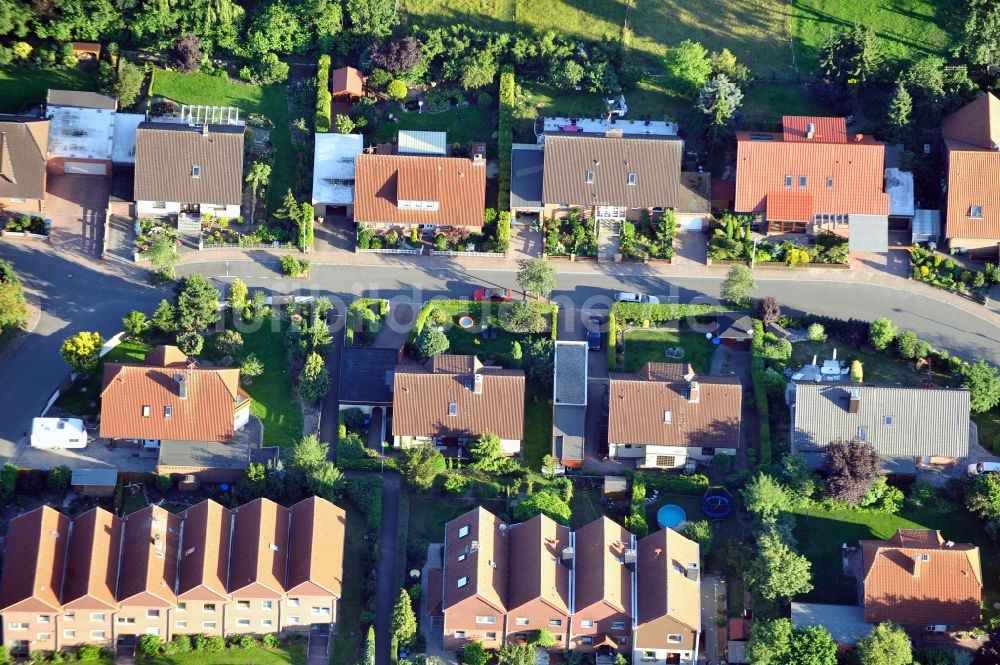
643,346
463,125
767,102
273,397
537,427
269,100
880,367
908,28
294,654
83,397
22,86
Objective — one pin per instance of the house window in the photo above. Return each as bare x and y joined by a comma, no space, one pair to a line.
631,178
44,637
145,411
69,634
182,607
863,433
293,602
460,634
208,625
267,604
208,607
829,183
195,171
69,616
617,625
976,212
463,531
181,624
462,581
788,181
666,461
461,557
44,618
486,619
649,655
293,621
802,181
243,623
586,623
668,417
17,626
267,623
243,605
126,620
159,204
98,635
555,622
321,611
888,421
590,177
452,409
588,639
152,614
168,411
675,638
490,635
521,621
97,616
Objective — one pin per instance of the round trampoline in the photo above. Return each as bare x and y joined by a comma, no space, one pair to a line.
716,503
670,516
466,322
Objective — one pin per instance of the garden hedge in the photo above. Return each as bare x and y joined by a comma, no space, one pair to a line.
352,313
612,342
760,390
324,100
505,136
694,485
503,231
633,312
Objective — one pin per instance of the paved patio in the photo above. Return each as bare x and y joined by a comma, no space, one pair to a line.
76,204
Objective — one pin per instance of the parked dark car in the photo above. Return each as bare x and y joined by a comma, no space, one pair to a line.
594,333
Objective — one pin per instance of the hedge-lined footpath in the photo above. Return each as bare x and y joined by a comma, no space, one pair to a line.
371,323
505,136
760,390
323,97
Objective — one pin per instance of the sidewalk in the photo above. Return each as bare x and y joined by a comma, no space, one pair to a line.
861,273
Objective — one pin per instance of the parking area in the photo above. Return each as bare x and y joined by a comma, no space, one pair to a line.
96,455
76,204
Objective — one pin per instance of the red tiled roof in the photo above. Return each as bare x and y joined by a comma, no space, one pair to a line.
316,547
945,588
205,551
347,80
92,566
789,207
537,548
260,535
970,135
33,570
483,563
148,567
456,184
853,168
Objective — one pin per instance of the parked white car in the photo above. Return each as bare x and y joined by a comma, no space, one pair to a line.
637,297
983,467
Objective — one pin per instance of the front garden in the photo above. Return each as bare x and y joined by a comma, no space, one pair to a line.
365,317
19,223
148,230
571,236
648,239
731,241
495,237
946,272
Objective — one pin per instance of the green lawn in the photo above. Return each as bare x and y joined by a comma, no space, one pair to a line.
294,654
463,125
878,367
767,102
470,342
83,397
586,506
273,397
133,502
989,428
346,645
820,534
650,100
537,427
22,86
643,346
269,100
907,28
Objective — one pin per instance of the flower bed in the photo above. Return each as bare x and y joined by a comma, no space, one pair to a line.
733,243
25,224
647,239
220,233
447,240
943,272
147,230
570,235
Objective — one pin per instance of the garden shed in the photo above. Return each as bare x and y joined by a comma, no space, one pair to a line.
95,482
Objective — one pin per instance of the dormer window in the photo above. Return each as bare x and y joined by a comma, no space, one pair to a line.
195,171
452,409
145,411
631,178
590,177
168,411
976,212
668,417
788,181
829,183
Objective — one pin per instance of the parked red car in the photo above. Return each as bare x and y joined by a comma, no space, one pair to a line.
493,295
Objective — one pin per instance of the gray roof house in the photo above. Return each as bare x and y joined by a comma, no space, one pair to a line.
569,402
903,423
527,162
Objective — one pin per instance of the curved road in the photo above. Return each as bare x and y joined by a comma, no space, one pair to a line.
75,296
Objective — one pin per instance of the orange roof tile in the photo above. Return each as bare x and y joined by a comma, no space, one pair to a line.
971,136
456,184
260,546
475,553
33,572
347,80
663,587
537,546
844,174
148,568
789,207
944,588
316,547
204,564
92,567
600,573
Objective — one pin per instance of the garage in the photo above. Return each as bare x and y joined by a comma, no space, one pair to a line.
690,222
85,168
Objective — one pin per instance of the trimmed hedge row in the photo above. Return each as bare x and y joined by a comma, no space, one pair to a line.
634,312
324,100
612,342
503,231
693,485
353,312
760,390
505,136
636,521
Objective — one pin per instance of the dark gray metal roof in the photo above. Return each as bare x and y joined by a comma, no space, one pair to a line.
570,385
846,623
899,421
656,164
526,167
107,477
734,325
869,233
366,375
206,454
568,427
82,99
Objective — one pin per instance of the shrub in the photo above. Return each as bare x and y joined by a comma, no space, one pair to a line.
229,342
323,98
456,483
243,642
505,135
190,342
485,100
906,344
396,90
135,323
149,645
881,333
180,644
270,641
293,267
88,652
503,231
816,333
432,342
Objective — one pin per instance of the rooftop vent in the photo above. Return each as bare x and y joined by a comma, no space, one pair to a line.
567,553
854,402
629,557
810,131
477,384
692,572
695,393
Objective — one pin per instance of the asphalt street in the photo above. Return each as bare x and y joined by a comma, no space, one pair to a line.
76,297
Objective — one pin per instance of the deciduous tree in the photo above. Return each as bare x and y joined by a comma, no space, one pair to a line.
314,379
687,67
737,285
983,382
770,311
237,299
886,644
82,351
186,55
13,306
766,496
397,56
396,90
536,277
545,502
421,465
190,342
778,571
257,177
851,466
197,303
881,332
135,323
432,342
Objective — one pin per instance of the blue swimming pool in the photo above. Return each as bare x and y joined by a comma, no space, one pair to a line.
671,516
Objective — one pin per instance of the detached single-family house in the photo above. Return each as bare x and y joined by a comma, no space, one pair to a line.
665,414
921,581
420,190
195,416
907,425
24,145
82,131
814,177
194,170
668,600
453,400
972,154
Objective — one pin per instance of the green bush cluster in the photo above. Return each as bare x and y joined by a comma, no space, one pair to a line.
943,273
503,231
693,485
634,312
293,267
757,375
370,324
366,493
636,520
323,97
505,135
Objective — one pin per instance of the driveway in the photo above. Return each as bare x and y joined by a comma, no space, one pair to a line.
709,607
76,204
386,591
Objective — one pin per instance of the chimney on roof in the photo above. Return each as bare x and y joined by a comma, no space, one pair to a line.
859,137
182,390
917,558
204,129
567,554
657,552
692,572
854,401
478,159
694,393
810,131
629,557
477,384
